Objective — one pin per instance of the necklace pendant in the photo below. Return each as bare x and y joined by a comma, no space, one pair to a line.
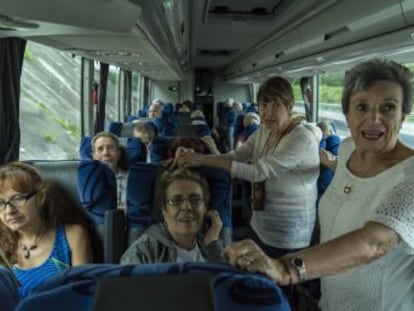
27,250
347,189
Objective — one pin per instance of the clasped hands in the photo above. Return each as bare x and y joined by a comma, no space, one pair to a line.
184,157
249,256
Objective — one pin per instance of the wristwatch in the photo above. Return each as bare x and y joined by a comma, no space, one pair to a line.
300,267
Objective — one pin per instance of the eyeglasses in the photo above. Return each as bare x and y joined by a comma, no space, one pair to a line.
178,201
16,201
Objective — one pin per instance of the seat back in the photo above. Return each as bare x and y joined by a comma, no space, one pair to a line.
91,187
192,130
142,202
122,129
9,295
159,148
75,288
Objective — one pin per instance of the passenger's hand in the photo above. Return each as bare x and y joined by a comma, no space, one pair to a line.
173,163
213,233
211,144
189,159
327,158
248,255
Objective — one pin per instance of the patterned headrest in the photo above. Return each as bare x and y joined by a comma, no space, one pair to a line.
97,189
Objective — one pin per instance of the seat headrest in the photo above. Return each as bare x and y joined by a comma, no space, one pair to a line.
97,189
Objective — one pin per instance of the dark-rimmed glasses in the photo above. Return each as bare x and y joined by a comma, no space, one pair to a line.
16,201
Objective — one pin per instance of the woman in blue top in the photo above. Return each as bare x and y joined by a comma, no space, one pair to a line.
40,234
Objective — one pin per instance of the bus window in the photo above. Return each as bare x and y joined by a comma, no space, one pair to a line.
330,94
49,104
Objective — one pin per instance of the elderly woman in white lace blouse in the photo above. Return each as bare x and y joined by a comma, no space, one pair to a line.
366,255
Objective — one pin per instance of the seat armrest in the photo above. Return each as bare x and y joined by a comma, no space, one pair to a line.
114,237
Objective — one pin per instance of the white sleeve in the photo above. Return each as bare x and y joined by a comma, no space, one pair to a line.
299,152
397,211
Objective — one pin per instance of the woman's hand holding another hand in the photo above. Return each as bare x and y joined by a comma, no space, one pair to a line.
247,255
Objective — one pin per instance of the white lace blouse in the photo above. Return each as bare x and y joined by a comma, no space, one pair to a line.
386,284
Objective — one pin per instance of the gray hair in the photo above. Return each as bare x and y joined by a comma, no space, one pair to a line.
364,75
105,134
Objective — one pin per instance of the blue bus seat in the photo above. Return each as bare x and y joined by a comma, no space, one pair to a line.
159,148
141,198
134,148
122,129
233,289
192,130
91,186
9,295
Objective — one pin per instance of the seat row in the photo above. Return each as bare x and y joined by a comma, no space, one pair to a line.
92,186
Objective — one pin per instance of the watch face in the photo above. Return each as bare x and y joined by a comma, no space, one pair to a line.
297,262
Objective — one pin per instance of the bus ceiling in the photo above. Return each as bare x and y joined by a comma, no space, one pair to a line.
245,40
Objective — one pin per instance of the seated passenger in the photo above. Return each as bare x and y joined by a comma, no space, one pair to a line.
186,106
155,111
197,117
146,132
189,233
40,232
329,151
107,149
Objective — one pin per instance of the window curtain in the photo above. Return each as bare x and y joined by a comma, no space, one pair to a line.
100,109
127,93
307,95
11,62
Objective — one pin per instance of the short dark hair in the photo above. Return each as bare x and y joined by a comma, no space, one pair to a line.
364,75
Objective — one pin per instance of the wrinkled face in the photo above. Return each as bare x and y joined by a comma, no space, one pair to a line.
106,151
154,112
20,210
375,116
274,115
185,208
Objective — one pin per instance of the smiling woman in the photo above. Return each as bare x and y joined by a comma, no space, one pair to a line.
365,258
184,236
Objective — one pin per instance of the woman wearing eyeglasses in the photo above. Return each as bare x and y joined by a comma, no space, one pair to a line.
184,235
40,234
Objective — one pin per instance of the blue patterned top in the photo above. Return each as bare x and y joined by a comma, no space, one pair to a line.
59,259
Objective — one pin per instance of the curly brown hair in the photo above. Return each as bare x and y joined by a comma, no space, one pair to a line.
58,208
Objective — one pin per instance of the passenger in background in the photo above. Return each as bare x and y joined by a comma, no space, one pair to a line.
197,117
40,233
186,106
282,162
251,122
329,145
366,256
189,233
146,132
107,149
154,111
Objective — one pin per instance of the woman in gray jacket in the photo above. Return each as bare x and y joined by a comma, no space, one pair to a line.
190,232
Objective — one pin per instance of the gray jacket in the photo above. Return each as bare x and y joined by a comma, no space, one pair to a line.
156,245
